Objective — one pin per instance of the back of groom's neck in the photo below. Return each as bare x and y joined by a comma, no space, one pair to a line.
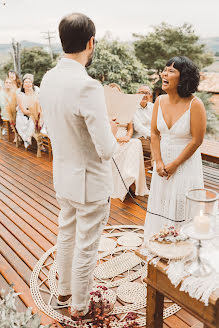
79,57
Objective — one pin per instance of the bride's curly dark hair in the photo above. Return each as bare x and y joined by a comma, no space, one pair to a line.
189,75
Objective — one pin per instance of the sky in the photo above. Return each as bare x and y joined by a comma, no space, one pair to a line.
26,19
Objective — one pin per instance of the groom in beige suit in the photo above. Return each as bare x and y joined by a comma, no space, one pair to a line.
83,143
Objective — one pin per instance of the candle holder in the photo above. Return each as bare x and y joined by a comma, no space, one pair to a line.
201,209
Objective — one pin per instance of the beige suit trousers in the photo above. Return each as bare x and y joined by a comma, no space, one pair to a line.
80,229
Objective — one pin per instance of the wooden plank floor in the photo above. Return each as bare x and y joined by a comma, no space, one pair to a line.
210,150
28,219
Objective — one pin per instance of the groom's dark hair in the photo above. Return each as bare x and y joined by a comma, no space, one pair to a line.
75,30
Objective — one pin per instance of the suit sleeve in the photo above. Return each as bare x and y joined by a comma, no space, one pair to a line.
93,109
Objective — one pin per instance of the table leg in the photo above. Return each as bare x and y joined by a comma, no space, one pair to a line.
154,310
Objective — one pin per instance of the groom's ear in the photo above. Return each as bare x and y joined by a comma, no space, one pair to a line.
90,43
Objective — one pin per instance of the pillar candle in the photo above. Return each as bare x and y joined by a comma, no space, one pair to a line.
201,224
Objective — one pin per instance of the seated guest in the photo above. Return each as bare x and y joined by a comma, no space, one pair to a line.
26,99
130,162
16,82
143,115
6,95
7,104
31,77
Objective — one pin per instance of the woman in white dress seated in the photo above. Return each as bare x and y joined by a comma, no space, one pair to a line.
26,99
130,162
177,130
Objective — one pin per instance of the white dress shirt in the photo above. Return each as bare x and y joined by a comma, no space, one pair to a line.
142,121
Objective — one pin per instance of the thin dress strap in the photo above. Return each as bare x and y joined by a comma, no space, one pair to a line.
159,99
191,103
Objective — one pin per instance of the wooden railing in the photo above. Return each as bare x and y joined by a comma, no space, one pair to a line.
210,151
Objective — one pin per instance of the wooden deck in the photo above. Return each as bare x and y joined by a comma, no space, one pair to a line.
210,151
28,214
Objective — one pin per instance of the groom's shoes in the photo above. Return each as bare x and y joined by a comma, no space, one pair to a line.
89,317
64,300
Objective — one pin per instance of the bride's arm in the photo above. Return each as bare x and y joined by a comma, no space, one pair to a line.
155,141
198,128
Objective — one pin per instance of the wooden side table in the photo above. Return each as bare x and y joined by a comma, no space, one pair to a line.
159,285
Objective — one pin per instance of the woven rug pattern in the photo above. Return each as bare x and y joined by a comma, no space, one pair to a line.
118,268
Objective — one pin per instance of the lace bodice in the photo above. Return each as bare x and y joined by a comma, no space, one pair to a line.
175,139
179,130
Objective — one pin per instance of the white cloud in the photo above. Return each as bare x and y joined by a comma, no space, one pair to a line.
26,19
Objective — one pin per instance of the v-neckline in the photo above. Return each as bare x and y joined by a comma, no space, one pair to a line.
175,121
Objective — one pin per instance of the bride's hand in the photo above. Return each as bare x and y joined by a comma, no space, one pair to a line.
161,169
171,169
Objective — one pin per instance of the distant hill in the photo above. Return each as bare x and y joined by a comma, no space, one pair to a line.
211,43
213,67
6,48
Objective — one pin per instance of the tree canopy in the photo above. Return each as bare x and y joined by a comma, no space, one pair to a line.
116,62
166,41
35,61
212,117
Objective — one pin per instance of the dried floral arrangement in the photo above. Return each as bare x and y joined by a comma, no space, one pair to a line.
11,107
168,235
98,305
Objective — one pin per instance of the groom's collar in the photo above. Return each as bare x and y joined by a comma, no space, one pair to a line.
70,63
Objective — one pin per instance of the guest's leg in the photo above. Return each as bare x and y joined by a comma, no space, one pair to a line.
91,219
65,245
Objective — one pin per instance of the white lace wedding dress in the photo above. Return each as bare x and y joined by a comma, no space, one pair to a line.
166,203
24,124
130,161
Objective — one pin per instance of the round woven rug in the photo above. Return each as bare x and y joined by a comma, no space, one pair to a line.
130,240
132,292
107,244
118,268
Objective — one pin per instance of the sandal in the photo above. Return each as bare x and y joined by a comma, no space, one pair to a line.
67,302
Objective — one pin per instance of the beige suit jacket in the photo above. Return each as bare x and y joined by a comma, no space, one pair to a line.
76,117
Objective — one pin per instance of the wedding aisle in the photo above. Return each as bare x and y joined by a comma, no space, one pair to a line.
28,214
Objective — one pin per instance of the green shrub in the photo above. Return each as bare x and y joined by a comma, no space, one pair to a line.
11,318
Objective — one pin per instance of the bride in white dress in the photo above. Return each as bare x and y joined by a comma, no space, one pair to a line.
177,130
